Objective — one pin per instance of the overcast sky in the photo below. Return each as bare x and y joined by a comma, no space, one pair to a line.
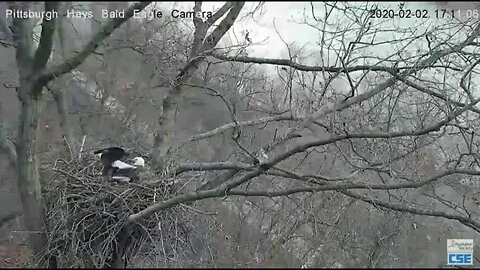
285,16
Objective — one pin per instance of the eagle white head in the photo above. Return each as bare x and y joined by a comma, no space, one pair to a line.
138,161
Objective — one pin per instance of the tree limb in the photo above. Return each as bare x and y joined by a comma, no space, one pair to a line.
197,21
402,208
103,33
214,37
46,39
22,37
427,62
348,186
210,167
434,94
246,159
435,56
166,121
301,147
297,66
217,15
226,189
227,126
194,196
305,145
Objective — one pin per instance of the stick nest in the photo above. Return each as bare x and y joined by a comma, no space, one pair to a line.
86,212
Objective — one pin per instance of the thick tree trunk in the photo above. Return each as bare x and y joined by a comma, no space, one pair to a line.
29,179
33,76
166,121
200,44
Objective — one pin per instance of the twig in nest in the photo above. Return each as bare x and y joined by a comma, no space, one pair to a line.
85,215
81,147
198,211
69,148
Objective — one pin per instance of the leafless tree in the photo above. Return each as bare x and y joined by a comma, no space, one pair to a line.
392,114
34,74
355,141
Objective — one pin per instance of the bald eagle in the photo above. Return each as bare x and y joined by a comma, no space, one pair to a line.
126,172
108,156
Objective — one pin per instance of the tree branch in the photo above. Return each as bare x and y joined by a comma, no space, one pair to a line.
427,62
434,94
217,15
301,147
348,186
210,167
305,145
103,33
46,39
194,196
227,126
402,208
297,66
223,27
22,37
225,189
223,178
197,21
435,56
310,178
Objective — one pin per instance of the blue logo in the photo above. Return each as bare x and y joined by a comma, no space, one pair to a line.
460,259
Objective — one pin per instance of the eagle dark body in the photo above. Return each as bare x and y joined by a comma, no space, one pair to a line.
109,155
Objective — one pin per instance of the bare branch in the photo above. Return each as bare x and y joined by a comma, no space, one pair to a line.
217,15
402,208
223,178
194,196
462,81
22,37
348,186
293,64
103,33
197,8
46,39
304,146
212,39
434,94
225,189
210,166
225,127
